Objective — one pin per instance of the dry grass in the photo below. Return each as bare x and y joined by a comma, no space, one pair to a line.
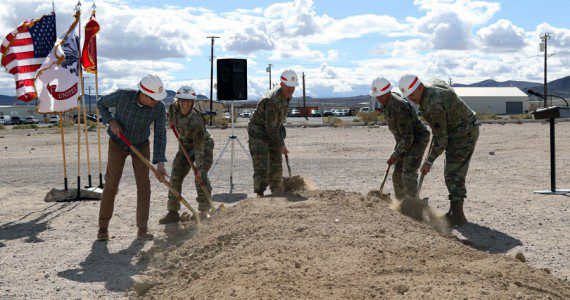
370,118
488,116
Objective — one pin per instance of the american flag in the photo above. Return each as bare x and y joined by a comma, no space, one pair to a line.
25,49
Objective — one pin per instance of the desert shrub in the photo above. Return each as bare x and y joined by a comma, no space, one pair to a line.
333,121
488,116
2,126
220,121
370,118
30,126
520,117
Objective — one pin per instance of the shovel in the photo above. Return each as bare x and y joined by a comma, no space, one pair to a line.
288,166
382,195
196,171
293,183
415,206
155,171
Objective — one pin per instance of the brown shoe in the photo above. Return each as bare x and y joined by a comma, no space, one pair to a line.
144,235
103,234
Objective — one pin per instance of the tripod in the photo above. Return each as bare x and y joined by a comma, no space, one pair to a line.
231,142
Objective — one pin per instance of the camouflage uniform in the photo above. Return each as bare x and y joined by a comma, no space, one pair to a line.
200,147
412,138
266,137
454,128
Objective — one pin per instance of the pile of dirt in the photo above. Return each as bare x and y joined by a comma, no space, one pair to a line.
329,244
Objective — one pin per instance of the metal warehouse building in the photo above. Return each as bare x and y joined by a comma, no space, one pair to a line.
496,100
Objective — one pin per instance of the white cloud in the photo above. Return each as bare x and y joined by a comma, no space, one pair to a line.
447,24
501,36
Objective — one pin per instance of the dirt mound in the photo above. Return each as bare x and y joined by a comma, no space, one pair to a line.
329,244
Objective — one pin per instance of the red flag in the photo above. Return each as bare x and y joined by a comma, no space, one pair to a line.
89,55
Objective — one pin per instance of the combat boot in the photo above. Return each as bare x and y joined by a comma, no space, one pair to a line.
455,215
171,217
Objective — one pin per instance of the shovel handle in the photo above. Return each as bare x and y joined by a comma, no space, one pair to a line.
155,171
385,177
288,166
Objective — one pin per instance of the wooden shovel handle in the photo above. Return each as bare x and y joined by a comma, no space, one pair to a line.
155,171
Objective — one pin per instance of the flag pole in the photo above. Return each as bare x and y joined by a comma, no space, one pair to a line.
98,128
82,83
98,115
63,150
78,15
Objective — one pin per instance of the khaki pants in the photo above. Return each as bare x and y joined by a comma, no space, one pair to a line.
115,163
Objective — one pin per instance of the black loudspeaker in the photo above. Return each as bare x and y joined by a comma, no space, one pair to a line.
232,79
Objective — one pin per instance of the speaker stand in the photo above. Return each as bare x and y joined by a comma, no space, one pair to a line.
232,139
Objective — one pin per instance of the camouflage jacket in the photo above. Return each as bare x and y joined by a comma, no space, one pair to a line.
191,129
404,123
447,115
269,117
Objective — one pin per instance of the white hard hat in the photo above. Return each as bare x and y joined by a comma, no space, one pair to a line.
408,84
289,78
380,86
186,92
152,86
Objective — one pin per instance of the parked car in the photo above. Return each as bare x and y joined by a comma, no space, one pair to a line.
327,112
54,119
5,120
245,114
93,118
31,120
315,113
364,110
338,113
16,120
295,113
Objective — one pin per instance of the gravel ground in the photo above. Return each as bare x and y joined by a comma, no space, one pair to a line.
49,249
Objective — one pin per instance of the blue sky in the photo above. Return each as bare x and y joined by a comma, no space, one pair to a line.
340,46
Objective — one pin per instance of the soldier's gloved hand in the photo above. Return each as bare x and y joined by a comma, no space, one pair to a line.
425,168
284,150
391,160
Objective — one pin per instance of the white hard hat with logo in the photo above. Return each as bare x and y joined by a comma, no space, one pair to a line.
408,84
186,92
380,86
289,78
152,86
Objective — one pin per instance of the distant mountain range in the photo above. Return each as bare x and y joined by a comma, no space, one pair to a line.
559,87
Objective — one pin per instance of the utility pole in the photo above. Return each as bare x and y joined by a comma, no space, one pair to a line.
544,47
304,98
268,70
212,38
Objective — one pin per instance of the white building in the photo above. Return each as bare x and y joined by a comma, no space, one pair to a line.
496,100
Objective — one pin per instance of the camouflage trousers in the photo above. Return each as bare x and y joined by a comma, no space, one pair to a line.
457,157
267,165
181,168
405,177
